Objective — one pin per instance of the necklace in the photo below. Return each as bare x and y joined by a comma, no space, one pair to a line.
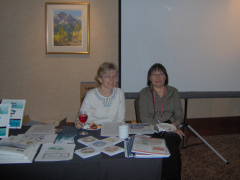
154,102
105,94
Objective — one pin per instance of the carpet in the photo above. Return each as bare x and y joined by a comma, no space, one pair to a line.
200,162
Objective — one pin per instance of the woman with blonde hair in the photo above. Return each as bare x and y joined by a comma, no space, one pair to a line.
105,103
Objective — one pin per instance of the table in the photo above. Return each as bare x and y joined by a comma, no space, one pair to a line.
102,167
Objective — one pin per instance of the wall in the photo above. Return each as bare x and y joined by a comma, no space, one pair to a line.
51,82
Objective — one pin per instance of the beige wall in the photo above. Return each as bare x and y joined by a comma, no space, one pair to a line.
50,83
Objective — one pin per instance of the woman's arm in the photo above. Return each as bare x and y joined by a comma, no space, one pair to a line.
178,112
145,102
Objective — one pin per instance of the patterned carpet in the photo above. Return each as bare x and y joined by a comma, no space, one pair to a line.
200,162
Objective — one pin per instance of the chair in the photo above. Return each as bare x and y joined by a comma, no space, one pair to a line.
136,104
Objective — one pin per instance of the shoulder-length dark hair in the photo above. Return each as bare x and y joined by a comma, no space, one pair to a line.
157,67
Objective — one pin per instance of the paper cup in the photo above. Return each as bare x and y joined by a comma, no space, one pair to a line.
123,131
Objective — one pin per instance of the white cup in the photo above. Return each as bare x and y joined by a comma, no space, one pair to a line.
123,131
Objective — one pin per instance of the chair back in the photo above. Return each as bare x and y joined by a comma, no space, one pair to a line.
136,104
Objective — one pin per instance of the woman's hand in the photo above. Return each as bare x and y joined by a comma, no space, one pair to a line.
78,125
178,131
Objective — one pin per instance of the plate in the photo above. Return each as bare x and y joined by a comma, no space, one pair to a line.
98,127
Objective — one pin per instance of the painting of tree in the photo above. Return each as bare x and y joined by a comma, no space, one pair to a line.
67,28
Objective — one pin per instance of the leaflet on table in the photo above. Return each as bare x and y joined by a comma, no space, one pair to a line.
42,138
112,150
106,146
100,144
41,129
147,145
4,119
17,112
67,135
110,128
113,140
140,128
90,139
55,152
87,152
87,140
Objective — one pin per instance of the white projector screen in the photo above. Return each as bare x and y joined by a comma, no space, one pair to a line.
198,41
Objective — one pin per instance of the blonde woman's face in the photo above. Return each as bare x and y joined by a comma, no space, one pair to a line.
108,79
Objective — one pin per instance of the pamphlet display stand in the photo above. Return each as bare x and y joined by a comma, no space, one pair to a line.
17,112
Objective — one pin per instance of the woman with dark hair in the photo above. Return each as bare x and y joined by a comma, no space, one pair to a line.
160,102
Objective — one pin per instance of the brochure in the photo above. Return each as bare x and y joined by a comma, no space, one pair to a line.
140,128
100,144
87,152
146,147
165,127
67,135
110,129
17,112
17,150
42,138
112,150
55,152
16,146
87,140
41,129
4,119
114,140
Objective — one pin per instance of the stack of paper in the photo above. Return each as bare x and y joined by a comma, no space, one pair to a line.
17,150
146,147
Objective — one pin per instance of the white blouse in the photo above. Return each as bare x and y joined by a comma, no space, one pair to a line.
104,109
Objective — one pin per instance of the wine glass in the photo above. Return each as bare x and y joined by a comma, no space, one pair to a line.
83,118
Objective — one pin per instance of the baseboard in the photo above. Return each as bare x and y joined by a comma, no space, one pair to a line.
215,126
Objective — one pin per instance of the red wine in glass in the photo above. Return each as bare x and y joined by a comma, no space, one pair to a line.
83,118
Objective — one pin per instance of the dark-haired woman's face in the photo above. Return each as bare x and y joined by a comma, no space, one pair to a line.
157,79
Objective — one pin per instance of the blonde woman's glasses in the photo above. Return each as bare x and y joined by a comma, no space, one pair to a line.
110,77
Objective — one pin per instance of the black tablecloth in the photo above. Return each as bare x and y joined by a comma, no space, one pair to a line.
101,166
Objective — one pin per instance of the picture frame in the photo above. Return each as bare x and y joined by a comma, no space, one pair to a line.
67,28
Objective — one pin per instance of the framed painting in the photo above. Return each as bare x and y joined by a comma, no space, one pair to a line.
67,28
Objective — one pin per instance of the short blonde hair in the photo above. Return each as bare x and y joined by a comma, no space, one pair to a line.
106,67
